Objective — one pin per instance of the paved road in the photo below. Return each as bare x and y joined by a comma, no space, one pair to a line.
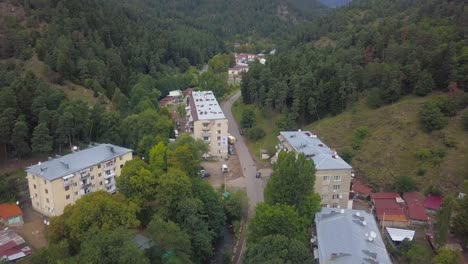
254,186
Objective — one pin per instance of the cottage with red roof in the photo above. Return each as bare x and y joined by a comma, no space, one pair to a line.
11,215
432,203
416,212
360,189
390,209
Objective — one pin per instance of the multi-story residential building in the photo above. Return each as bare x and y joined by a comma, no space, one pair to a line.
333,174
206,121
348,236
61,181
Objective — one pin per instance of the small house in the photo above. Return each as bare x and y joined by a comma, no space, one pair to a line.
11,215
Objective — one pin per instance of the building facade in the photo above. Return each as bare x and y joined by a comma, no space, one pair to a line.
59,182
333,174
206,121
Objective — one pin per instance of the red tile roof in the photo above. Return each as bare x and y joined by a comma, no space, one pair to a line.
416,210
9,210
390,209
433,202
384,195
361,188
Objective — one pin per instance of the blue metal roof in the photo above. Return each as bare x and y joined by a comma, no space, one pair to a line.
77,161
349,236
309,144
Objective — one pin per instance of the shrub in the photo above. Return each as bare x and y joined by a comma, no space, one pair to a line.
255,133
404,184
432,118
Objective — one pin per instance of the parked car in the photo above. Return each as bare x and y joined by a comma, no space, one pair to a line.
204,174
258,175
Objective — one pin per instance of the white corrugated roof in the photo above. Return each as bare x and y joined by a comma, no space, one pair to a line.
398,234
306,142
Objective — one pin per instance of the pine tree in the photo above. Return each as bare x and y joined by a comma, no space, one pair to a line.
19,138
425,84
41,141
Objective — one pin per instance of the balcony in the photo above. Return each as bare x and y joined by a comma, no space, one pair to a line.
85,185
85,191
111,189
206,128
85,176
67,183
108,176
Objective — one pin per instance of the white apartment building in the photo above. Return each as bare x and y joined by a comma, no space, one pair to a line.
333,174
206,121
58,182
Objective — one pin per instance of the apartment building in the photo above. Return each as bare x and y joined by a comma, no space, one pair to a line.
333,174
206,121
61,181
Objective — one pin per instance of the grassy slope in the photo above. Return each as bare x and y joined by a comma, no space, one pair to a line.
395,136
71,90
266,121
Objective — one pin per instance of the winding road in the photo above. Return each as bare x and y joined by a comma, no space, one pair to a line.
253,185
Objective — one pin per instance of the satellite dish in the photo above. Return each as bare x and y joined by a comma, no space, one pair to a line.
373,234
364,223
358,214
17,202
75,148
342,211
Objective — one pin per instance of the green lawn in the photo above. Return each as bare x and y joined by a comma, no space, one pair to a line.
264,120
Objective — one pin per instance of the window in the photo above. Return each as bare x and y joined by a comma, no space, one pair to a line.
219,138
35,187
324,196
120,158
219,124
76,193
336,196
99,166
35,195
205,125
335,205
46,191
91,169
99,175
100,183
206,138
219,144
47,200
336,187
75,184
67,188
45,182
92,177
121,165
37,203
326,178
67,197
337,178
34,177
219,131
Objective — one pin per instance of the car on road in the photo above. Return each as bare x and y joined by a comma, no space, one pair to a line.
258,175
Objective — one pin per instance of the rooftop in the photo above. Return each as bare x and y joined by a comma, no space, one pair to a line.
349,236
204,106
416,210
398,234
12,246
433,202
9,210
390,208
361,188
385,195
306,142
77,161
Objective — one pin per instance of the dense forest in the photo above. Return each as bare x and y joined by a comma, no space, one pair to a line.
128,53
381,49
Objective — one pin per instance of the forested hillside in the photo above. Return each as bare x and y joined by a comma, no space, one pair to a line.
362,59
383,49
128,54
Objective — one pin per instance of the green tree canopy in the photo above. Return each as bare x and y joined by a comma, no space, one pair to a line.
95,212
278,249
448,256
41,141
276,219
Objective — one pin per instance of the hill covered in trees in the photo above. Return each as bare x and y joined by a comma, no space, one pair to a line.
127,53
370,55
381,49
